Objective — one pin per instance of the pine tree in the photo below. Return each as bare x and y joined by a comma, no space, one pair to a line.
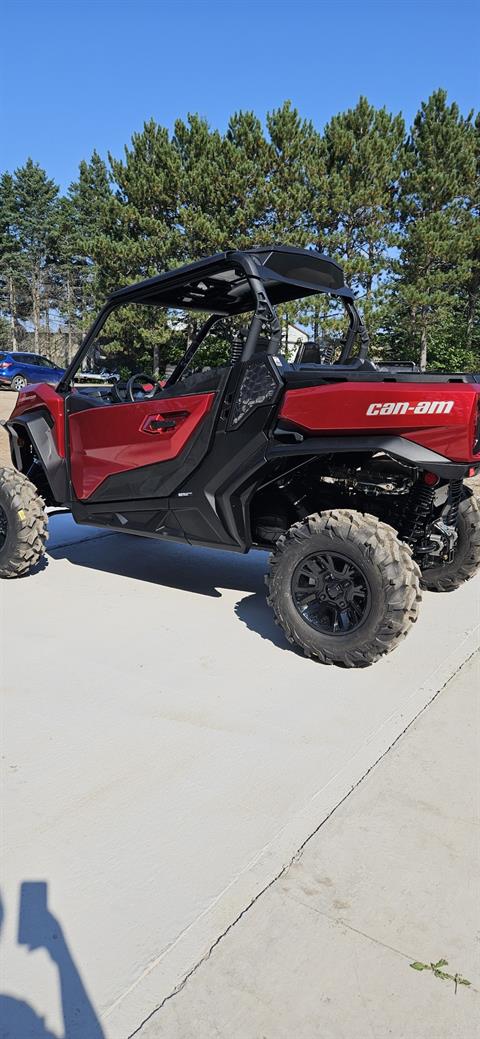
222,194
35,228
473,278
80,219
295,151
248,156
88,199
13,283
203,194
355,214
139,233
295,182
436,262
402,217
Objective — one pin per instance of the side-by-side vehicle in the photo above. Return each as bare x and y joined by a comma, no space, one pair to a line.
350,474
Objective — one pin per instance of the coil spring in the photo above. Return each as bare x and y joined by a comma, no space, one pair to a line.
417,512
455,496
236,352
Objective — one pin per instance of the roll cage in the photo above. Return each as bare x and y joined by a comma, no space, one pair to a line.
236,282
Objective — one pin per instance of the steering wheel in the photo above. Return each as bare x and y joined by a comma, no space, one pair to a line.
140,378
118,392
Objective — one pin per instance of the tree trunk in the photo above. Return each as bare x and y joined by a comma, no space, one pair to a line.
423,347
369,276
69,315
36,309
473,294
13,310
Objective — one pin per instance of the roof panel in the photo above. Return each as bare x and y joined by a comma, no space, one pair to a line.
219,283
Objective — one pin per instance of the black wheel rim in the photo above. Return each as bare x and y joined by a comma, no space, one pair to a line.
3,527
331,593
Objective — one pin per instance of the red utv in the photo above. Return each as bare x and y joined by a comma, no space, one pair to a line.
350,474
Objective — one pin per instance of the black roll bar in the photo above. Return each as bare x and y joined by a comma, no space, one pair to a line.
264,314
356,326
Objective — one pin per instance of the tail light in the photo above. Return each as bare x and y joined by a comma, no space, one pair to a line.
431,479
476,435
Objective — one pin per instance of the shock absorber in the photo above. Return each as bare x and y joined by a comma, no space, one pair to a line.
236,351
295,497
418,510
455,494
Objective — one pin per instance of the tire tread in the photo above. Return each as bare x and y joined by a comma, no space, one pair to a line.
18,494
399,573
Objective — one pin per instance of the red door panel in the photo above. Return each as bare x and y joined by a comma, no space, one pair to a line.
118,437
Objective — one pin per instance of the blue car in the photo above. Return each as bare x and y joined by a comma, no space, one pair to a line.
17,369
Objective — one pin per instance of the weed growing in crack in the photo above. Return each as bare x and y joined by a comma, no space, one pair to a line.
437,970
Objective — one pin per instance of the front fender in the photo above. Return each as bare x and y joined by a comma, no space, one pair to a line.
36,428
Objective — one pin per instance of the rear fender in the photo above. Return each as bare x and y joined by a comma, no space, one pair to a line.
406,451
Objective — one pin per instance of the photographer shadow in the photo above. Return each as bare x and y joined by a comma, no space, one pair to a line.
39,929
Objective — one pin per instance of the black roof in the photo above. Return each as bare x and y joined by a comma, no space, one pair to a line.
219,284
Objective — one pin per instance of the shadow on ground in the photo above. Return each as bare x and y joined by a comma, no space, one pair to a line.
200,571
38,928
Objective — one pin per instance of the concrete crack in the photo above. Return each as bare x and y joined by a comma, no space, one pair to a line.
340,922
294,858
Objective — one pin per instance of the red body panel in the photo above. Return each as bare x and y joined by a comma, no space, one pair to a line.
111,440
342,408
40,395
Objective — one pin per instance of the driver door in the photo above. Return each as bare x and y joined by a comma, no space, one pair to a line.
123,449
118,451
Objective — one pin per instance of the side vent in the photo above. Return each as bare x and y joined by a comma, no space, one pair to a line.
257,386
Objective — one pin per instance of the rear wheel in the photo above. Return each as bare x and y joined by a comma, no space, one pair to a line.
466,560
23,524
343,587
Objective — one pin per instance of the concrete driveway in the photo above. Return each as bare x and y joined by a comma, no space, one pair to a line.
168,754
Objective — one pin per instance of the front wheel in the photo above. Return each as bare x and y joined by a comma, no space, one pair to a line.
23,524
343,587
466,559
18,383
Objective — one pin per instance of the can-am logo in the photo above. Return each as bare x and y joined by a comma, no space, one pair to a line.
405,407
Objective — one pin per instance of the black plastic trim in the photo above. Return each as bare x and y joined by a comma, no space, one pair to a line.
38,428
319,375
404,450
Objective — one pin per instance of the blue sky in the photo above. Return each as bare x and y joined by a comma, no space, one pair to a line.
83,74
